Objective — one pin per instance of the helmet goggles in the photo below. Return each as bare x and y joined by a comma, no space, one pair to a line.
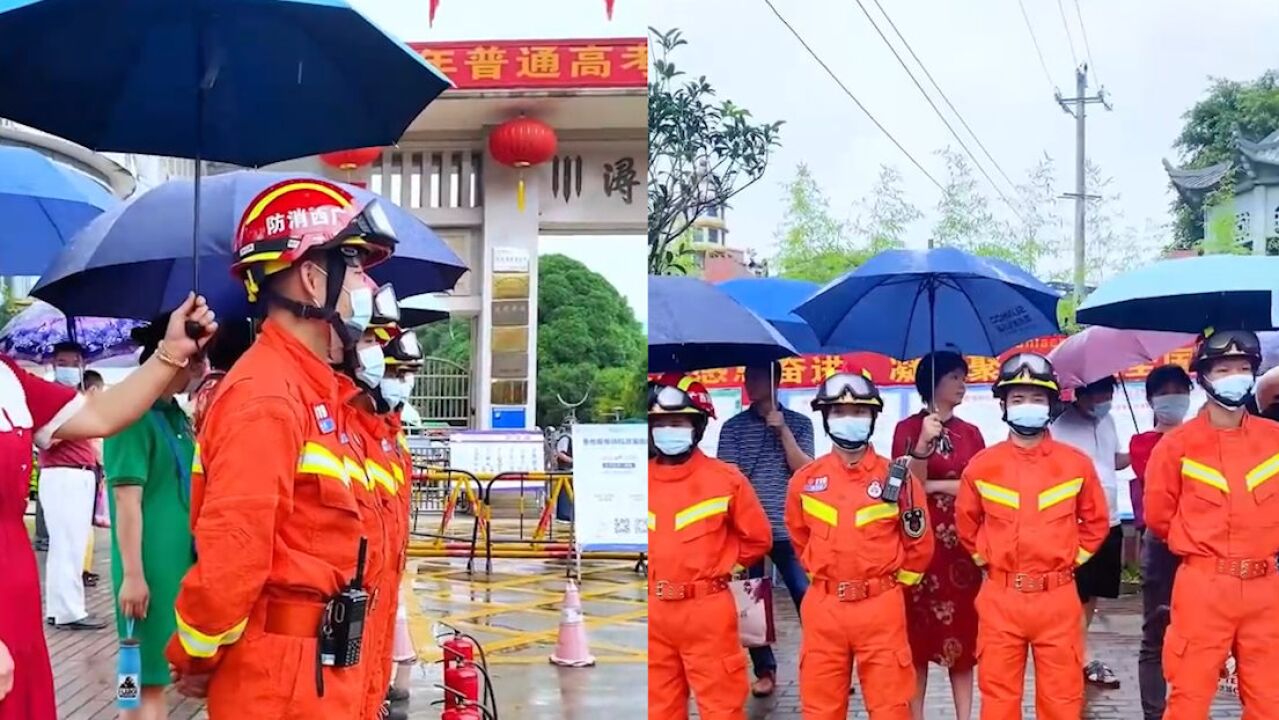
848,389
675,395
1028,369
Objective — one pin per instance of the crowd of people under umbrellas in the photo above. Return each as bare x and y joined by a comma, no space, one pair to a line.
941,550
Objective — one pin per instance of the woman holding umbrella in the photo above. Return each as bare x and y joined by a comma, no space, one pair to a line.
37,411
942,623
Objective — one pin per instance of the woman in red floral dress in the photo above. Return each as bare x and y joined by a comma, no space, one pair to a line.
941,618
33,410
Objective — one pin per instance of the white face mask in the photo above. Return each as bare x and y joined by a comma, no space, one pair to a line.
1170,409
396,391
1233,389
1028,418
673,441
69,376
852,430
372,366
361,309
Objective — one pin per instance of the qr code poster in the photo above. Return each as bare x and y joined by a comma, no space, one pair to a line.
610,484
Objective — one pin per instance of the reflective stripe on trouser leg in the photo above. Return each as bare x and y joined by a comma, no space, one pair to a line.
68,509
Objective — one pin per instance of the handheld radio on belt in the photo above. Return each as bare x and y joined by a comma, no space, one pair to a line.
342,629
914,522
896,479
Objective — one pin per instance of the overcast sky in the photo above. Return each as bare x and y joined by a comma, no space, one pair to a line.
1153,57
507,19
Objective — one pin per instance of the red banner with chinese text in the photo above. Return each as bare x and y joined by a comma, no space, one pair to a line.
523,64
809,370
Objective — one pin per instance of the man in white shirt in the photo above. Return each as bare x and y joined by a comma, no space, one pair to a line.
1086,424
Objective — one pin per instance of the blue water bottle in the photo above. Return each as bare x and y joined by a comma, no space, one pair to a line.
128,687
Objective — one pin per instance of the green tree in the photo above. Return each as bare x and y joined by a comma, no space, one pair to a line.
587,340
812,244
449,340
701,151
1250,108
885,215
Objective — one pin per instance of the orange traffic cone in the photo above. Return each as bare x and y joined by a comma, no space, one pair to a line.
572,648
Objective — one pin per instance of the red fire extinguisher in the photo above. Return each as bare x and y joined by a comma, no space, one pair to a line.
461,677
464,713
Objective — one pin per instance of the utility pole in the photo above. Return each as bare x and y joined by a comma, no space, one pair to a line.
1076,106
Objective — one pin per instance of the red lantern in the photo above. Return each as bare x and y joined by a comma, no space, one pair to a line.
348,160
521,143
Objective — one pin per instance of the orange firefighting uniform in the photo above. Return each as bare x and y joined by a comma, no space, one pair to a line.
277,524
1213,494
1029,516
387,513
703,518
855,550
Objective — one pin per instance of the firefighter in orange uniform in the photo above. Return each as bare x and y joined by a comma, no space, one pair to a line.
277,522
703,519
861,537
1212,493
1030,510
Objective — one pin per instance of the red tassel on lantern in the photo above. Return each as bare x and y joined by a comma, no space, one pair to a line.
608,8
520,143
435,4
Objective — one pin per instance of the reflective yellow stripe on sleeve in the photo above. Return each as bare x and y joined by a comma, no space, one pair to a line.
871,513
199,645
1202,473
652,522
701,511
399,475
1082,556
998,495
906,577
1060,493
317,460
197,465
819,510
1262,473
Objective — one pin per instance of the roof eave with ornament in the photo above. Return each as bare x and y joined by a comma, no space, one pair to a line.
1195,184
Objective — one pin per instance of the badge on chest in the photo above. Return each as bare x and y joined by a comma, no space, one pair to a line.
323,420
875,490
817,484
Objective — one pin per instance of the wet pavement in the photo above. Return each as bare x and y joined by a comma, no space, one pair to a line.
1114,639
514,613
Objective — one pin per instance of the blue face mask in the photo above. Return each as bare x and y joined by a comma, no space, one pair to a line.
1232,390
1027,418
1170,409
1101,410
673,441
852,430
361,309
69,376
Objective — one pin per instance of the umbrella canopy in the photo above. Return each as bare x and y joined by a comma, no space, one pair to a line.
905,303
42,203
32,334
135,260
1100,352
693,325
247,82
774,299
1237,292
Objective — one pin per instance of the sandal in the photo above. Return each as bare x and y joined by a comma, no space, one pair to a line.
1099,674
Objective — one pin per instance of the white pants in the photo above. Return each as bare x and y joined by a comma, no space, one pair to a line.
67,495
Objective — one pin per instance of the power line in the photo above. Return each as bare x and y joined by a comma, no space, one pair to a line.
1069,40
937,110
1087,50
853,97
937,87
1035,40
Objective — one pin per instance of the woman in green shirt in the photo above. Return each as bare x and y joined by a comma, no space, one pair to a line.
148,468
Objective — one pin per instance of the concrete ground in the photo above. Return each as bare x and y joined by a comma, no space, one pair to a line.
1114,639
514,613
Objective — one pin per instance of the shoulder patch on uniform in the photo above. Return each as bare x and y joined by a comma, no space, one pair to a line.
817,484
323,419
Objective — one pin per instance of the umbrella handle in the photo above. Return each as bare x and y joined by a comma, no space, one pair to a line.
1124,387
195,330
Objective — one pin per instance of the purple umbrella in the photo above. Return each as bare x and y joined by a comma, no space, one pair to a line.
32,333
1100,352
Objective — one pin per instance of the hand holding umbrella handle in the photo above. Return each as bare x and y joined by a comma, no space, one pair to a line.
195,330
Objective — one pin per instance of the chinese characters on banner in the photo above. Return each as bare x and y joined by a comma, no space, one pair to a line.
810,370
514,64
610,486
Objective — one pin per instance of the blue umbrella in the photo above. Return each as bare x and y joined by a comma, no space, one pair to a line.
774,299
693,325
133,261
1239,292
42,204
32,334
247,82
906,303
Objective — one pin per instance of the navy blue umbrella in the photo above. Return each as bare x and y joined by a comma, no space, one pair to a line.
1238,292
693,325
135,261
774,299
247,82
42,204
906,303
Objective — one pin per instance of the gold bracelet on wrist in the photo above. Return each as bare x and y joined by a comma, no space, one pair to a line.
168,359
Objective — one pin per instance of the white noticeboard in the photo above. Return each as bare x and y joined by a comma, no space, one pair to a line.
610,486
489,452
